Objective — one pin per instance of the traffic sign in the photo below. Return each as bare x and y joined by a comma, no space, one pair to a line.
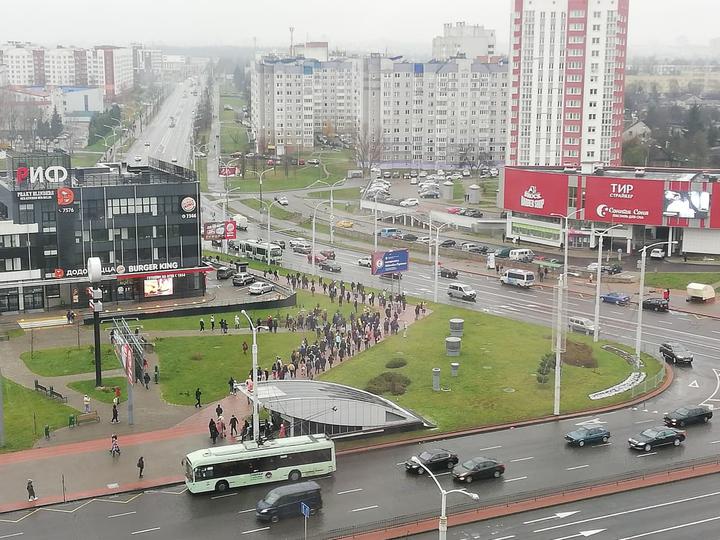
388,262
305,509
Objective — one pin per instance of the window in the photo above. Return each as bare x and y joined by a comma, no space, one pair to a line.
26,213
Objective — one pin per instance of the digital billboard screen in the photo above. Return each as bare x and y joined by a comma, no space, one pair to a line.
158,286
686,204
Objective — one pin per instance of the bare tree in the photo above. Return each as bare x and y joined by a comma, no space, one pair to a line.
368,150
472,156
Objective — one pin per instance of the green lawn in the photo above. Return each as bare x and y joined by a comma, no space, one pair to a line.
233,138
497,383
105,394
458,191
236,102
26,414
339,194
276,212
84,159
201,166
68,361
679,280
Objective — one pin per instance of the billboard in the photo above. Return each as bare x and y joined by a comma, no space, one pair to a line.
227,171
535,192
388,262
158,286
624,200
686,204
715,207
220,230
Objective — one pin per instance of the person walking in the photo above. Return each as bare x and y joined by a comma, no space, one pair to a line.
202,325
114,415
212,323
198,393
282,431
245,347
31,491
213,431
233,426
146,380
237,322
141,466
219,410
86,403
666,295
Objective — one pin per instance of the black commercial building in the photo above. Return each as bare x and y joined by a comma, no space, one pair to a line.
142,222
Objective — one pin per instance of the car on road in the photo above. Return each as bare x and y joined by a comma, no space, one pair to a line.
612,269
138,158
454,210
330,266
392,275
479,249
260,287
243,278
675,352
656,436
283,201
471,212
409,202
656,304
328,254
694,414
587,435
318,258
409,237
225,272
448,243
657,253
477,468
462,292
147,143
435,459
297,241
313,161
617,298
450,273
581,324
365,261
344,224
302,249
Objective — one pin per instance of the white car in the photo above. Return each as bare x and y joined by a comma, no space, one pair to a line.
456,176
657,253
413,180
422,174
260,287
138,158
283,201
409,202
174,160
297,242
440,172
365,261
466,172
592,266
424,239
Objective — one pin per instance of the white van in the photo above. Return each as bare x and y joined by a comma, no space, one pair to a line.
519,278
461,291
581,324
389,232
522,255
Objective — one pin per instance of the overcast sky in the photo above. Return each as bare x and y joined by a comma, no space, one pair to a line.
363,24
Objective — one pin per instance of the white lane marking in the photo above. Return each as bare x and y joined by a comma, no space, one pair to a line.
513,479
715,442
556,515
674,527
715,331
123,514
584,534
489,448
633,511
645,421
349,491
246,511
21,533
578,467
506,537
146,530
603,444
255,530
223,496
522,459
646,454
365,508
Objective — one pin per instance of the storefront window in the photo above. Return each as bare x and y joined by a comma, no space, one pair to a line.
9,300
33,298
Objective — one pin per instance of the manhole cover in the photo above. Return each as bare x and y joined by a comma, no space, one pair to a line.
508,390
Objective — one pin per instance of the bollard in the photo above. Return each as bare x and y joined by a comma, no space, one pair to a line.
454,366
436,379
452,346
456,327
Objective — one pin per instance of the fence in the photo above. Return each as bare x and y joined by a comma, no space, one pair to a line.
652,382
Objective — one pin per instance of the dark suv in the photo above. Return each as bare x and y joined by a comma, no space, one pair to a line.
448,273
676,352
656,304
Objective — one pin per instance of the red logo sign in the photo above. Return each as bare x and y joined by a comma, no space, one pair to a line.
624,200
536,192
230,230
65,196
188,204
59,273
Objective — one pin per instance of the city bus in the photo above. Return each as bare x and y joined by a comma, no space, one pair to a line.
254,249
245,464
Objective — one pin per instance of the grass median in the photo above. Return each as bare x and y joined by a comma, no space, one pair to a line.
680,280
105,393
68,360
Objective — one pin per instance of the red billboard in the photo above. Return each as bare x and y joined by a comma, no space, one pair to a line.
536,192
624,200
220,230
715,206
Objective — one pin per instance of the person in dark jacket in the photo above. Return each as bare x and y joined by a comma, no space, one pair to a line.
213,431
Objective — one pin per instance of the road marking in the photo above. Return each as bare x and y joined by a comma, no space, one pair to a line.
521,459
674,527
246,511
123,514
554,516
255,530
694,384
593,422
365,508
489,448
603,444
578,467
645,421
223,496
513,479
715,442
146,530
584,534
349,491
646,454
505,537
21,533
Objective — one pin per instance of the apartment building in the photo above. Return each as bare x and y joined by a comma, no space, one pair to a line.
567,65
472,40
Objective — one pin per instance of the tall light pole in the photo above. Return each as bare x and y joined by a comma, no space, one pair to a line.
442,524
332,204
641,293
267,206
375,231
256,412
312,252
601,236
435,266
260,177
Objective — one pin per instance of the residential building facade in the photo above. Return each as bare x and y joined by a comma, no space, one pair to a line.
472,40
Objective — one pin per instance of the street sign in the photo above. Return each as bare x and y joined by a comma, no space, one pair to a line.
305,509
387,262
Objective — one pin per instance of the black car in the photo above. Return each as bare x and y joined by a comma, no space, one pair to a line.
433,459
448,243
479,249
330,266
429,195
587,435
476,468
656,436
448,273
391,275
675,352
471,212
612,269
688,415
409,237
656,304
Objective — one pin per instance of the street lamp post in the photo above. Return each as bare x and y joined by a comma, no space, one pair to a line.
442,524
375,231
260,177
638,329
256,413
601,236
435,266
267,206
332,205
312,252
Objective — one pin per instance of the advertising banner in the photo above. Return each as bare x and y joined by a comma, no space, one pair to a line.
535,192
624,200
227,171
388,262
158,286
220,230
715,207
686,204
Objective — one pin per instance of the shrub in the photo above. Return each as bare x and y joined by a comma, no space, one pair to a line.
579,354
396,363
388,383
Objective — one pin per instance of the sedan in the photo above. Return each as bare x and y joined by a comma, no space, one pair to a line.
365,261
472,212
448,243
297,241
478,249
302,249
657,254
409,202
330,266
688,415
260,287
328,254
424,239
409,237
344,224
243,278
454,210
148,144
656,304
617,298
587,435
430,195
476,468
433,459
138,158
656,436
675,352
283,201
448,273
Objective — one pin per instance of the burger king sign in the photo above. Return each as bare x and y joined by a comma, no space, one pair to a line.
188,207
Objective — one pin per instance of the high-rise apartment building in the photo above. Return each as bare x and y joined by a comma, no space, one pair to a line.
567,65
471,40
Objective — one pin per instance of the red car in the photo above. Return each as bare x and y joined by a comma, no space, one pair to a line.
318,258
454,210
301,162
328,254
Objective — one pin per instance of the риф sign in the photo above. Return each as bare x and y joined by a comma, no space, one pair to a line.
54,174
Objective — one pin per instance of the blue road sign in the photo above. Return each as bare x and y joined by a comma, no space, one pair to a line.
305,509
386,262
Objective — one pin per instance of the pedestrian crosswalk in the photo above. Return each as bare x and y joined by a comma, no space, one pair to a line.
27,324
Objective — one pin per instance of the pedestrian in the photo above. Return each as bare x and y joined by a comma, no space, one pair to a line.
282,430
86,403
220,424
202,325
219,410
237,322
684,257
245,347
198,393
117,393
141,466
146,380
231,384
666,294
213,430
212,323
31,491
233,426
114,415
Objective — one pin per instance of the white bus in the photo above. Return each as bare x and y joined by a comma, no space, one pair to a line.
245,464
519,278
253,249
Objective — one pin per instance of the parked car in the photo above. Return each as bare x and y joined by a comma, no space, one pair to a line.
675,352
138,158
409,237
396,174
612,269
430,194
243,278
477,468
694,414
657,253
617,298
409,202
413,174
283,201
225,272
434,459
330,266
479,249
260,287
313,161
365,261
656,436
387,174
413,180
466,172
656,304
587,435
448,273
448,243
328,254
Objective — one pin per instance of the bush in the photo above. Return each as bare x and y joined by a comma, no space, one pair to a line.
396,363
388,383
579,354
